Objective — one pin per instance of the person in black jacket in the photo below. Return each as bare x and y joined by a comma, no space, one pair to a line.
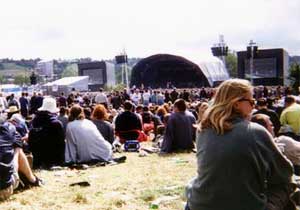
47,138
129,125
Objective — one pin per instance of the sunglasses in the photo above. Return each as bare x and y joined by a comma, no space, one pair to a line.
251,101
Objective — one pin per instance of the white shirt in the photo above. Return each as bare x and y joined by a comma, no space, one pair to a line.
146,96
136,97
101,98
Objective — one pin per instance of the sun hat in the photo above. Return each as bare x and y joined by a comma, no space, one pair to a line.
49,104
12,109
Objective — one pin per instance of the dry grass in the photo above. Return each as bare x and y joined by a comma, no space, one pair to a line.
132,185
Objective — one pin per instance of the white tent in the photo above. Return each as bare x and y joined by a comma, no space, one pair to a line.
11,88
214,71
66,84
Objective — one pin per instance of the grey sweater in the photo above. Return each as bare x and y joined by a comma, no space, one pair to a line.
237,169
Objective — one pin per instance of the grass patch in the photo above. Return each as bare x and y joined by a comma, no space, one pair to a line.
79,198
148,195
132,185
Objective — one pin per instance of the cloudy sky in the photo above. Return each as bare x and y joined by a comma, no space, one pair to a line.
101,29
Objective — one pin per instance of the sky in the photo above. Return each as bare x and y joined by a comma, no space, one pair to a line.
102,29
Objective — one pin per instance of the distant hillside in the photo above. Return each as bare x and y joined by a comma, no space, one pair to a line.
12,69
295,59
19,70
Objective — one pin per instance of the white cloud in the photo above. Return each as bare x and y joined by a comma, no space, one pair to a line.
101,29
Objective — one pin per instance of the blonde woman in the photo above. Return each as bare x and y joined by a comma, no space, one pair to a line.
239,167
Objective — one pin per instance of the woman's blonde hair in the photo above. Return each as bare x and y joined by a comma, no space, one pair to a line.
220,114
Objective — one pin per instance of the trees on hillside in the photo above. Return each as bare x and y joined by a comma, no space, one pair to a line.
231,64
70,70
295,76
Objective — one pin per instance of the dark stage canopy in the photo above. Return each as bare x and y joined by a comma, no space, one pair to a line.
162,69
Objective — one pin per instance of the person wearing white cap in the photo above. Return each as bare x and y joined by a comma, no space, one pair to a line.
47,138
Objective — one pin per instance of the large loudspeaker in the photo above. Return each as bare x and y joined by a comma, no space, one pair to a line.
216,51
255,51
248,52
225,51
121,59
219,51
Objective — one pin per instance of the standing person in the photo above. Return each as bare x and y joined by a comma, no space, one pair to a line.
24,105
39,100
3,103
239,166
185,95
101,98
116,100
174,95
136,97
47,138
125,96
153,97
203,93
62,100
33,104
167,96
146,97
160,98
179,133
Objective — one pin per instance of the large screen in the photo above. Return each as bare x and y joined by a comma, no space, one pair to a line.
262,68
95,75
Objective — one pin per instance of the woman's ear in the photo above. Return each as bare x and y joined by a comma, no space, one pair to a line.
236,106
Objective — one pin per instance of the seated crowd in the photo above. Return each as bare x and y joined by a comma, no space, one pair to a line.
86,128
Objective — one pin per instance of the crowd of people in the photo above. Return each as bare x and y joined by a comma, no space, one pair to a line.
241,164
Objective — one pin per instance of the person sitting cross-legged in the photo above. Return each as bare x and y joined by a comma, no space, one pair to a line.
46,138
84,142
180,133
99,117
129,125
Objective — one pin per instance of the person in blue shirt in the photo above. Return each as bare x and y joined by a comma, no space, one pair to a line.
13,161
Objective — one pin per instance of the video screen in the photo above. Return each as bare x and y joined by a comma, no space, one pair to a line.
95,75
262,68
